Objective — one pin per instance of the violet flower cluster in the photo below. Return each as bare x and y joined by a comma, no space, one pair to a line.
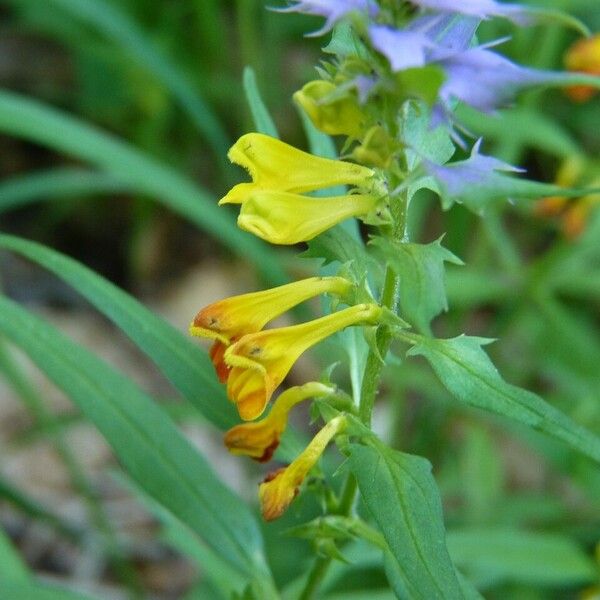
438,34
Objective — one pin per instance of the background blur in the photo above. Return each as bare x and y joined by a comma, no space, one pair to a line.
158,85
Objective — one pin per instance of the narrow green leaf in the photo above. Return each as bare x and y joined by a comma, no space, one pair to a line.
498,556
479,195
262,119
56,183
144,438
116,25
177,535
23,117
12,568
180,358
402,496
467,372
422,277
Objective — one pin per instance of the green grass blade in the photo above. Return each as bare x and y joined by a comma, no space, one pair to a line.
56,183
32,120
184,363
116,25
260,114
144,439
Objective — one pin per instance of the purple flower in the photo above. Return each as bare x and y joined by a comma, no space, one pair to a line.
332,10
403,48
486,80
461,177
482,9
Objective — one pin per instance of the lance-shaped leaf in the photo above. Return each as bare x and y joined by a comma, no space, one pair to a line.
402,496
145,440
421,271
468,373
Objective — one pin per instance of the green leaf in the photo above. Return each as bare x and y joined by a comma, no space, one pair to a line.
177,535
422,277
401,494
116,25
181,359
337,245
34,121
496,556
56,183
12,568
422,141
262,119
144,439
467,372
479,195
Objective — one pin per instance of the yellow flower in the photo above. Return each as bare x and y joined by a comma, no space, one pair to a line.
260,440
584,57
281,487
260,361
332,110
284,218
277,166
231,318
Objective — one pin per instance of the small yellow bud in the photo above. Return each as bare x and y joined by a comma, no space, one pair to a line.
333,110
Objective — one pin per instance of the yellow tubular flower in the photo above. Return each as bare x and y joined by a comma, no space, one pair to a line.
260,440
284,218
281,487
277,166
231,318
260,361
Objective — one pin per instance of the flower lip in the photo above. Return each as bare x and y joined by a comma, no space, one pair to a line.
227,320
276,166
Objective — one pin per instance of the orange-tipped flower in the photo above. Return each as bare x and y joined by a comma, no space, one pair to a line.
284,218
583,56
228,320
260,361
260,440
574,213
281,487
276,166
